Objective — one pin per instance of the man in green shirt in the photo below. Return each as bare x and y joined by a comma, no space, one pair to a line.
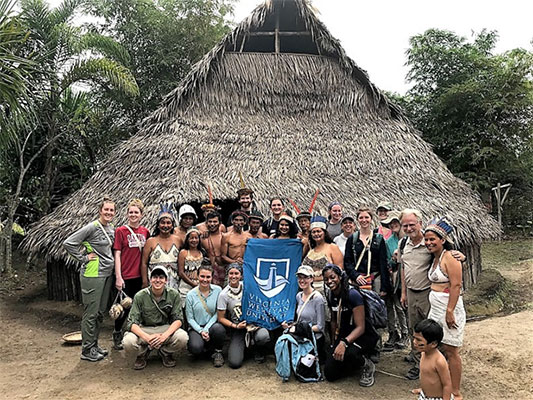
155,322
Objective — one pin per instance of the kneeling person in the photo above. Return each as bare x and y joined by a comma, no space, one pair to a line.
205,333
155,320
229,314
353,339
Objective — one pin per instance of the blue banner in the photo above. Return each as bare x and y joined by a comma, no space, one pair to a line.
270,283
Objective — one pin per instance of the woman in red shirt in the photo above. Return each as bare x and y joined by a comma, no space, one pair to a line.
128,247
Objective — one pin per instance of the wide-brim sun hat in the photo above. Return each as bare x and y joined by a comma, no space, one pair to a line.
393,215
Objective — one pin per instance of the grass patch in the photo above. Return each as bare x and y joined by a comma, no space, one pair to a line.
489,296
502,255
504,284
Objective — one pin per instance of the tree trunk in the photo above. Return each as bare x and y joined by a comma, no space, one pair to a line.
6,246
11,210
51,131
473,266
47,181
2,251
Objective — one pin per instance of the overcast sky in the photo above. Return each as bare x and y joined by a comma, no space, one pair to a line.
375,34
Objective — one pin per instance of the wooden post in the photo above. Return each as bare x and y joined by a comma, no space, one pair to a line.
500,200
276,32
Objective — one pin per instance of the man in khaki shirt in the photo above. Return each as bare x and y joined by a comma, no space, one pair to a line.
416,260
155,322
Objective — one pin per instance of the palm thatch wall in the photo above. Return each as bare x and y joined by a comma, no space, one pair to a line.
290,123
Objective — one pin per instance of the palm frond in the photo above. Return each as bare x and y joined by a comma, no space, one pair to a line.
13,71
6,7
74,102
102,68
64,39
36,16
65,11
105,46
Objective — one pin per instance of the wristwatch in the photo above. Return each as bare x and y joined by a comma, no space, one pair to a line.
345,342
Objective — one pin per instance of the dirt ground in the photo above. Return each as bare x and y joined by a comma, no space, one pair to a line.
497,359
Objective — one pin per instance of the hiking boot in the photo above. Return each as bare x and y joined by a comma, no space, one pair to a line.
140,361
259,357
402,343
91,354
409,358
389,344
117,340
218,359
413,373
388,347
103,352
167,359
367,375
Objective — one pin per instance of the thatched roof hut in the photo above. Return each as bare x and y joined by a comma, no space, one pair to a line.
278,100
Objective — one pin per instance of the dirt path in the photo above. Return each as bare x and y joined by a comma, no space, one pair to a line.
498,363
38,366
497,355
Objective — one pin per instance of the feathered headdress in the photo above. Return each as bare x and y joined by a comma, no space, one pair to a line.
305,213
210,205
318,222
442,227
165,210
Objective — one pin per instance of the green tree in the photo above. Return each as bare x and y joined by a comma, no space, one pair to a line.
13,70
164,38
66,56
15,108
69,56
476,108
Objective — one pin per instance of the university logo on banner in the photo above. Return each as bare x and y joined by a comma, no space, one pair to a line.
270,283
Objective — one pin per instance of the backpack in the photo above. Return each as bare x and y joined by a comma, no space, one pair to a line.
375,307
299,355
403,242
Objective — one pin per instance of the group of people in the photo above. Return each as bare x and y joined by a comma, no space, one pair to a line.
186,283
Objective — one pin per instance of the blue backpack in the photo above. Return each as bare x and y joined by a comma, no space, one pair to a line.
297,354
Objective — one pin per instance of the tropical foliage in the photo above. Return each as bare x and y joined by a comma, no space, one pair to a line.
70,90
63,56
476,108
164,39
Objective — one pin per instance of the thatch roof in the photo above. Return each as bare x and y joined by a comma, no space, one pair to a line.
290,123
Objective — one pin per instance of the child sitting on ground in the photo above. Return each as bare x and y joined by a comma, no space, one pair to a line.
435,380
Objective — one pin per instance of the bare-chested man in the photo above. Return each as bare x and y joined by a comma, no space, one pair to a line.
254,222
207,209
187,218
304,223
162,249
212,242
234,242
